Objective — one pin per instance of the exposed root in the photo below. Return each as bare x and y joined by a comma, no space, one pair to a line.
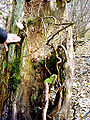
44,114
55,33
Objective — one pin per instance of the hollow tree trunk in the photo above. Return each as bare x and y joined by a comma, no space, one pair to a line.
43,63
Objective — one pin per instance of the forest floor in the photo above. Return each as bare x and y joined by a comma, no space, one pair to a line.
81,81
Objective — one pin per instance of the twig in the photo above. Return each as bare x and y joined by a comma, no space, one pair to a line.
57,64
44,114
65,51
44,26
39,8
55,78
62,23
47,67
5,83
74,113
85,114
52,36
50,17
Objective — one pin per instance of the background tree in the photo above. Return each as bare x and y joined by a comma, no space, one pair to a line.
79,13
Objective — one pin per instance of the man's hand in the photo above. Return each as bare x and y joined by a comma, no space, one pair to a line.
11,38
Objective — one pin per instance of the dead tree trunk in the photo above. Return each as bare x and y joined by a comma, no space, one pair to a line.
43,63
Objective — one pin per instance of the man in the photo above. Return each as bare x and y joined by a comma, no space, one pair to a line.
6,38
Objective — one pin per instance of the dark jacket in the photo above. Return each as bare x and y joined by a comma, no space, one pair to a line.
3,35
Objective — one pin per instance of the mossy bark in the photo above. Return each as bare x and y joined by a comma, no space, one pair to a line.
10,77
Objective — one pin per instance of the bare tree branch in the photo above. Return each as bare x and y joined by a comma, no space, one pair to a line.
52,36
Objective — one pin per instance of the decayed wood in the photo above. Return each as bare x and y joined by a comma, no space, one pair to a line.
33,75
54,112
64,113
